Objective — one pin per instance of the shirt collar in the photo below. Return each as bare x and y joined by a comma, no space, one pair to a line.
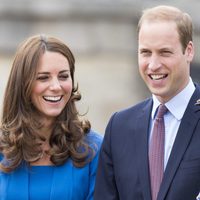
177,105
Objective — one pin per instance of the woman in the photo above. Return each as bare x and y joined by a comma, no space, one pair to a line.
47,151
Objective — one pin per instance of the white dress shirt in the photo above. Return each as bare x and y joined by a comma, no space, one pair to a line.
176,108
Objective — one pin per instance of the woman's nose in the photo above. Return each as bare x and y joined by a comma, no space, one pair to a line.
55,84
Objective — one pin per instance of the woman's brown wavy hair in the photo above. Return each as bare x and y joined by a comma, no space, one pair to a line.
19,136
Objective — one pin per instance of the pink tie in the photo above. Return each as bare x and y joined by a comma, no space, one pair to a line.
156,152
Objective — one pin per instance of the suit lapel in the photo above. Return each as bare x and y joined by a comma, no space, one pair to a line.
142,149
181,143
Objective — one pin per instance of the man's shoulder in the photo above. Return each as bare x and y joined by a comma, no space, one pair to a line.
137,107
133,111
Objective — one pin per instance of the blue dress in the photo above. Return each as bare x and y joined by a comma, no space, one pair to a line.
65,182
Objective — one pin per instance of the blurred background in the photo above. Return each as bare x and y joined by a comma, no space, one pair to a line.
102,36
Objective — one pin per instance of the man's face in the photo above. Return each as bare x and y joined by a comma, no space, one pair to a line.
163,65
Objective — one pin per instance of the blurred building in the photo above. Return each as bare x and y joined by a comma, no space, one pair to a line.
101,34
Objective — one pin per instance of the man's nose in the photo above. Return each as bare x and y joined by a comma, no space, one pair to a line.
154,63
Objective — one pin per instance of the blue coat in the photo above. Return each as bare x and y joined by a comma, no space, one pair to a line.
68,182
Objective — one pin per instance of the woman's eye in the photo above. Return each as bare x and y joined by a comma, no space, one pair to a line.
64,76
42,78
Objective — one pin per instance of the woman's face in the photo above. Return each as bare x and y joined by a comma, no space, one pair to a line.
53,85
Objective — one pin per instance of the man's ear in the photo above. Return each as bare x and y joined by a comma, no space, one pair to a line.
189,51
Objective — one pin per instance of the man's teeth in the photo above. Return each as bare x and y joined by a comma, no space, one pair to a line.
52,98
157,76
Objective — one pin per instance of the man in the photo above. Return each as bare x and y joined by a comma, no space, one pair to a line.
165,51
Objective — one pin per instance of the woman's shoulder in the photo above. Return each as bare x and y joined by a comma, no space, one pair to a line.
93,138
94,141
1,155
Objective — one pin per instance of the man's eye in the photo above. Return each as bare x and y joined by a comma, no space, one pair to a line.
166,53
145,53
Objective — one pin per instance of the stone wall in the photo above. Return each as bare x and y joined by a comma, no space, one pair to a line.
102,36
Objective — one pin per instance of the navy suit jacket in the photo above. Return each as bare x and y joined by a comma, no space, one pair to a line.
123,172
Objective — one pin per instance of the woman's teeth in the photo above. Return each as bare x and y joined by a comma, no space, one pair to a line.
52,98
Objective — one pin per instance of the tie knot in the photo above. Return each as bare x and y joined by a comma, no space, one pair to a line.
162,109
